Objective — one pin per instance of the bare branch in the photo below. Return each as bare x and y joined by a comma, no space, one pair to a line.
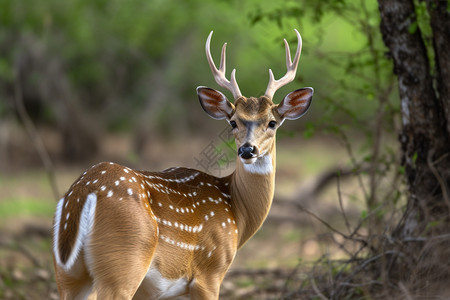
34,135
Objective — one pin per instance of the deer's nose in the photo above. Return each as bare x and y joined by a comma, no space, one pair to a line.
247,151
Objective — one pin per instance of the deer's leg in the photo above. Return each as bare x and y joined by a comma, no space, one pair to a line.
121,248
205,288
77,284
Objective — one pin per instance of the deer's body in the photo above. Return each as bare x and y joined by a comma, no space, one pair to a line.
121,233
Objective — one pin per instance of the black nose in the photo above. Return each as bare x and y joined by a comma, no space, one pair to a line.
246,151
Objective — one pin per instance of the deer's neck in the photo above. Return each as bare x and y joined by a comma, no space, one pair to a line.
252,188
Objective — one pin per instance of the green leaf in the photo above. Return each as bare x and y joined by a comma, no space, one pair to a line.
364,214
414,158
412,28
309,131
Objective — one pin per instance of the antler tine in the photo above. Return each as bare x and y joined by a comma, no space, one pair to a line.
274,85
219,74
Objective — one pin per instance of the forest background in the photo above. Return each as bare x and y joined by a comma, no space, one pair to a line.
89,81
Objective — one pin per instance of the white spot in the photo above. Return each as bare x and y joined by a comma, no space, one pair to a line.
182,210
224,225
160,204
65,226
103,187
122,178
103,172
125,170
206,217
212,214
130,191
110,193
87,183
228,220
116,182
95,181
67,216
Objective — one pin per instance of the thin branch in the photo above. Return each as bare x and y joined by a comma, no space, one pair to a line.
34,135
316,289
338,184
436,174
21,249
329,226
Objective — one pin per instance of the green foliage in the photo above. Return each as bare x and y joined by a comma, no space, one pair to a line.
120,57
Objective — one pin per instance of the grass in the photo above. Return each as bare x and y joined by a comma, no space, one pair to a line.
13,207
27,195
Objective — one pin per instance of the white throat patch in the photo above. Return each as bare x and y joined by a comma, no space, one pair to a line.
262,165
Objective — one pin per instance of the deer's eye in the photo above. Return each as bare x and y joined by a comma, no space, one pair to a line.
272,124
233,124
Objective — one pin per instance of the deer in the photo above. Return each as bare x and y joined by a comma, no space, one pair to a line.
121,233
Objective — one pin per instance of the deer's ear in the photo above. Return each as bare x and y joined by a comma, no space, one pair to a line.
295,104
214,103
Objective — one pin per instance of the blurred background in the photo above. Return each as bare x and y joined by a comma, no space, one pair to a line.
88,81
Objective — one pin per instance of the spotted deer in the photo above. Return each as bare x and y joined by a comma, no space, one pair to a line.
121,233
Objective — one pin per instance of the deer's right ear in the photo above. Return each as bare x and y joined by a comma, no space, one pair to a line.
215,104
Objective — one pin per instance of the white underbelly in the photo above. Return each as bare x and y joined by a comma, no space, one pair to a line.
159,287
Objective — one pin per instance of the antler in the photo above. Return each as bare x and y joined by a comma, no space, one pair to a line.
219,74
274,85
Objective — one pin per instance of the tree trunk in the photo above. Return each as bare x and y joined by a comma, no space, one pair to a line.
440,24
425,134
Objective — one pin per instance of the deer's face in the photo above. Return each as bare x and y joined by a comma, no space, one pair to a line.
253,124
254,121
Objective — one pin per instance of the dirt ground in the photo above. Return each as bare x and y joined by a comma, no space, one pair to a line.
290,239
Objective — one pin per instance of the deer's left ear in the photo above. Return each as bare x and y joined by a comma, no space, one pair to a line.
214,103
295,104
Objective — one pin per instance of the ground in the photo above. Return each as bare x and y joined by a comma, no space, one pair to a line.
263,268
